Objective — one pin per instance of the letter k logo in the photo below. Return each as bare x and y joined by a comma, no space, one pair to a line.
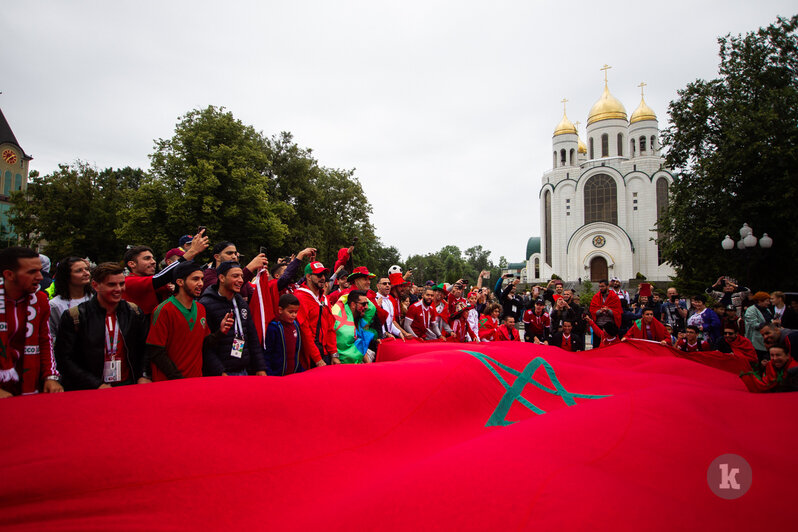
728,477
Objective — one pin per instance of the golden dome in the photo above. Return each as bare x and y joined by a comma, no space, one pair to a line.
607,107
581,148
565,126
643,112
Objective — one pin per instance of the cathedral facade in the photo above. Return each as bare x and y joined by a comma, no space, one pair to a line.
600,201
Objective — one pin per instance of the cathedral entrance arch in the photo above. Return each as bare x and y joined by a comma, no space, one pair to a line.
598,268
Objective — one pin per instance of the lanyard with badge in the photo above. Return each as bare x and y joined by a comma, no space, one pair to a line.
112,371
238,341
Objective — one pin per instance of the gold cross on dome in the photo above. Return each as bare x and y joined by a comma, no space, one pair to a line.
577,126
605,68
642,85
563,102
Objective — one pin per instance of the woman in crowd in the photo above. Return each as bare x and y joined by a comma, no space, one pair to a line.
72,283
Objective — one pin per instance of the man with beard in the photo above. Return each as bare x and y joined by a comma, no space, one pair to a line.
356,343
441,304
458,308
143,286
420,321
649,328
615,286
605,307
399,289
512,305
27,363
315,319
179,328
537,323
389,328
360,279
239,352
100,342
573,304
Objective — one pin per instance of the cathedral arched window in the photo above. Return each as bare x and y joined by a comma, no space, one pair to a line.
601,200
642,145
591,147
571,157
547,220
554,159
605,145
620,144
652,145
632,147
18,182
662,204
7,184
562,157
537,268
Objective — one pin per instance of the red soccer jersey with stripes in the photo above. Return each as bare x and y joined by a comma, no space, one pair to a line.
422,318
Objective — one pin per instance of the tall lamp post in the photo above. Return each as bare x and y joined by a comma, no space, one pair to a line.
747,242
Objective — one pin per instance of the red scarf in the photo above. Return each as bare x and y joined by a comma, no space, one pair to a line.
32,308
263,305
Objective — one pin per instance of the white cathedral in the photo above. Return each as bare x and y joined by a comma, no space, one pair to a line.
599,203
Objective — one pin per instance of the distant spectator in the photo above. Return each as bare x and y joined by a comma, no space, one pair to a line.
72,284
704,319
757,316
726,291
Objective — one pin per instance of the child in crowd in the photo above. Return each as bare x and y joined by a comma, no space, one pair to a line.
283,341
777,375
610,334
690,343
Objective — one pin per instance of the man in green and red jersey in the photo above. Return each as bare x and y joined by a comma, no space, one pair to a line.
143,286
178,329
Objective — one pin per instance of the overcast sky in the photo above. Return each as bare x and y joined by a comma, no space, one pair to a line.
445,109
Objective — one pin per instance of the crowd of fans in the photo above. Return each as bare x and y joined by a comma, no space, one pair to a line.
112,324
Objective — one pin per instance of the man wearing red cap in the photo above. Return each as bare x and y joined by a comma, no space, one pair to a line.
360,279
399,288
316,322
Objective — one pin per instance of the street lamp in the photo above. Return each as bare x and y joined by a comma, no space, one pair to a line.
748,241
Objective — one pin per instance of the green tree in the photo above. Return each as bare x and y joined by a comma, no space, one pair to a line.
733,143
74,210
215,171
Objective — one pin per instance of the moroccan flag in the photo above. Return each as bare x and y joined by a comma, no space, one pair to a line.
499,436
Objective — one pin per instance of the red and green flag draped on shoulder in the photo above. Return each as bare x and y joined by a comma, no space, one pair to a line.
352,338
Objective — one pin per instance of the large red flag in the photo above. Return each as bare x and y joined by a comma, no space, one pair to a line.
443,436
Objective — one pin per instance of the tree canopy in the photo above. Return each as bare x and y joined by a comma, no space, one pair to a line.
450,264
733,145
214,171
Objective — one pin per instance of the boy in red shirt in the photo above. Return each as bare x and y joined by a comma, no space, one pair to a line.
690,343
283,339
174,343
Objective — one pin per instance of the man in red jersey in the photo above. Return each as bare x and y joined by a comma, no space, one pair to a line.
421,318
143,286
179,328
27,363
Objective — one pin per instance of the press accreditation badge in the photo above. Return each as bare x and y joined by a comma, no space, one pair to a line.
238,348
112,370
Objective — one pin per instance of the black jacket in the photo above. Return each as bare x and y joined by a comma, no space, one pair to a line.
216,357
577,341
80,351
